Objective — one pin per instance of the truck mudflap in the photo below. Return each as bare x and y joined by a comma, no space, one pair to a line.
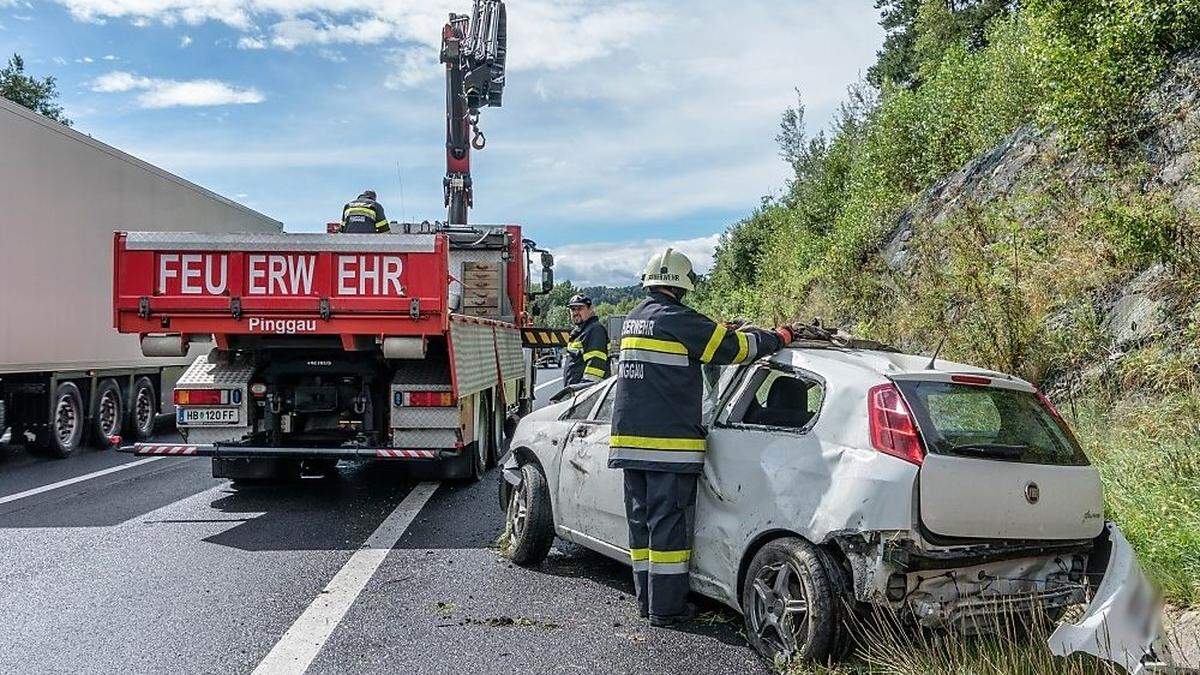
1123,622
221,450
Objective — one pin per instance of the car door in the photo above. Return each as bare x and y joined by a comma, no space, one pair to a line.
591,495
764,469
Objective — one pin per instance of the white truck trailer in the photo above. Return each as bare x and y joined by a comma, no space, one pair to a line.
66,377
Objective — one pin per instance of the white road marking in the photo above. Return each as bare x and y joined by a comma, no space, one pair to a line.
295,651
543,386
77,479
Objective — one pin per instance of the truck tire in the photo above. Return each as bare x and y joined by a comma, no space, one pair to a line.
143,409
64,432
790,604
529,521
108,412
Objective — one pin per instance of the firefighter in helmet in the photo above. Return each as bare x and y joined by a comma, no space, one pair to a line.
657,435
587,347
364,215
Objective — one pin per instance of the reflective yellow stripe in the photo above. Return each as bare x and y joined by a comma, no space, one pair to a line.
575,345
743,347
713,343
670,556
359,211
381,224
596,372
596,354
652,443
654,345
639,554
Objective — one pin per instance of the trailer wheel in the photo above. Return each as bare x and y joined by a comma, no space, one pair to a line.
65,431
143,409
108,412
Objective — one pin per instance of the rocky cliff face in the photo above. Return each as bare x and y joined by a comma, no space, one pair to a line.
1141,307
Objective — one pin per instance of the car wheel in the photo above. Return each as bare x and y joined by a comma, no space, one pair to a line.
789,603
64,434
143,409
529,521
108,412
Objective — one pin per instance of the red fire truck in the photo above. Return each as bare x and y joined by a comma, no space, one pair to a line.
403,346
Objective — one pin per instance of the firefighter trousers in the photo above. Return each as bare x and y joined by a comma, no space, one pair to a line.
656,506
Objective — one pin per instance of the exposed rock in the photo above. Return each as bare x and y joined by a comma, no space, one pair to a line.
1170,147
1138,314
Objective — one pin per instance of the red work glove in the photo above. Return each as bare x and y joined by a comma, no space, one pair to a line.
785,334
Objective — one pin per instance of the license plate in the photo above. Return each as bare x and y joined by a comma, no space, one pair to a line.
198,417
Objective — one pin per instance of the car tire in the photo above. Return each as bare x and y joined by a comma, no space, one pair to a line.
143,409
65,430
847,614
789,603
529,521
108,413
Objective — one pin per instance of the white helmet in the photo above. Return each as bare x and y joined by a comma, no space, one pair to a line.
669,268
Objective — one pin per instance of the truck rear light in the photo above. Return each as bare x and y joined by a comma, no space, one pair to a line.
893,431
201,397
258,389
428,399
971,379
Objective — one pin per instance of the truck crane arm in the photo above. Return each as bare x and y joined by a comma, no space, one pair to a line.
473,49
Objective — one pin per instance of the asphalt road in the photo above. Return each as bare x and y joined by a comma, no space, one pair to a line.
109,563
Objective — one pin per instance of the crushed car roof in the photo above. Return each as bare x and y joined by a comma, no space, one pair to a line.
878,363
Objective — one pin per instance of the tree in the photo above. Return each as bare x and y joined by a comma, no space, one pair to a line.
920,31
38,95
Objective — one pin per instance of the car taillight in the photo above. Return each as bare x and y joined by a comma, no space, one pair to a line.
199,397
428,399
893,430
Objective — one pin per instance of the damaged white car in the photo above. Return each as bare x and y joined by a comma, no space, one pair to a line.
838,478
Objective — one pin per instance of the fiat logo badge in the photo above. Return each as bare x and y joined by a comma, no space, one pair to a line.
1032,493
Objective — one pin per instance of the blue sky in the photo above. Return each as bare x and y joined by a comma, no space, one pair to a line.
626,123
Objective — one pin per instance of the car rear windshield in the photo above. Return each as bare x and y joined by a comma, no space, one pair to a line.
989,423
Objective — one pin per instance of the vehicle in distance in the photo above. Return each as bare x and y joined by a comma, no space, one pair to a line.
548,359
842,478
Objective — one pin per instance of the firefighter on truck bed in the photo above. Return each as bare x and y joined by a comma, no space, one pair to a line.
587,348
657,433
364,215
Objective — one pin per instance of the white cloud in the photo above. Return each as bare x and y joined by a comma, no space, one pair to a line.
621,263
185,41
247,42
156,93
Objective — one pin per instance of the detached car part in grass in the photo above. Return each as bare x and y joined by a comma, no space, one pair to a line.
840,479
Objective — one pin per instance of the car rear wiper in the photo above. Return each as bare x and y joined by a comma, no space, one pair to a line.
998,450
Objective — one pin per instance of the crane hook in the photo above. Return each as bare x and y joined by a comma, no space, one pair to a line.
478,140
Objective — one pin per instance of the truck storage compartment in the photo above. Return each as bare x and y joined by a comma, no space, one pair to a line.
999,462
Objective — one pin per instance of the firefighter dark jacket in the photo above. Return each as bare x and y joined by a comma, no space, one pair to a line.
587,353
364,216
656,417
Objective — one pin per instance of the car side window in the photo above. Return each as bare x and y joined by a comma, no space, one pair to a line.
780,399
604,414
583,406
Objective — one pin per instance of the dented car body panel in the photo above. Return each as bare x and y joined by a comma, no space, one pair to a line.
1122,623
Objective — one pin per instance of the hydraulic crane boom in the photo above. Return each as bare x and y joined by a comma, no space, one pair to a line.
473,49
